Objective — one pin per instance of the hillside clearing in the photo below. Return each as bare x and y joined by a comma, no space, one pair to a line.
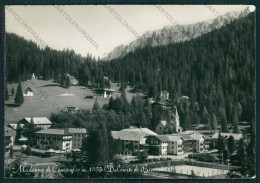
50,98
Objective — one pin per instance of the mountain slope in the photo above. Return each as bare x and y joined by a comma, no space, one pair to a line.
173,34
216,71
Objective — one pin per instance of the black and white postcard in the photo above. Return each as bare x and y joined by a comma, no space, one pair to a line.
130,91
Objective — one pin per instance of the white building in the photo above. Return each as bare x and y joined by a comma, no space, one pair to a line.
131,140
199,145
33,76
9,137
28,92
159,129
58,139
175,145
39,122
106,93
237,137
78,134
165,144
135,129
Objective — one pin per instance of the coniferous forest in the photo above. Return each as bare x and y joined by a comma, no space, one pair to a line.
216,71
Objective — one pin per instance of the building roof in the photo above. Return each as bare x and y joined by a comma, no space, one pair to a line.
168,138
237,136
196,136
71,107
162,138
103,89
54,132
163,103
9,132
23,138
164,123
128,135
174,138
146,130
188,132
185,137
39,120
28,89
14,126
77,130
207,137
193,135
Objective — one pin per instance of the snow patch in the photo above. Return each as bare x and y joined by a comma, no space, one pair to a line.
66,94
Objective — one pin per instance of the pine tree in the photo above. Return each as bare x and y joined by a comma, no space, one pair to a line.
110,103
148,112
124,102
11,153
19,95
241,160
97,149
221,145
235,121
12,91
6,93
28,150
115,146
67,82
231,144
223,120
63,79
251,151
96,105
214,122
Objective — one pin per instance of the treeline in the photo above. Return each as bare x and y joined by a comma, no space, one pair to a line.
216,71
117,115
23,58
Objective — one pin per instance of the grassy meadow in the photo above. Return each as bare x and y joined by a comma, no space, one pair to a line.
50,97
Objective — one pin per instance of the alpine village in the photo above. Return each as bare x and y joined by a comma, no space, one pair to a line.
185,109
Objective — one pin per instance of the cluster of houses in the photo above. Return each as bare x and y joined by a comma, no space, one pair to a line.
132,139
137,139
60,139
46,138
103,92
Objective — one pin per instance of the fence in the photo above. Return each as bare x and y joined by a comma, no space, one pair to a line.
188,162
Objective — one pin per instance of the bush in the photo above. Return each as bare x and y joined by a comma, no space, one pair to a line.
202,157
136,153
142,157
28,151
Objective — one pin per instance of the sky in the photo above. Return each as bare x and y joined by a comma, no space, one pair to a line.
98,29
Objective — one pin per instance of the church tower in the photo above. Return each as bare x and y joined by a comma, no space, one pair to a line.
177,121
